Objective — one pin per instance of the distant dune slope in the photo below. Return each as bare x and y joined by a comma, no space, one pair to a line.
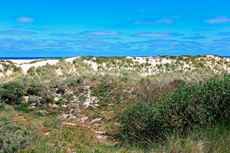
142,66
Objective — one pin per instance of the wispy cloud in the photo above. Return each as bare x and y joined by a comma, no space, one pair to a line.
102,48
176,16
62,34
91,43
221,19
100,33
195,37
105,38
167,21
17,27
146,9
160,21
25,20
32,28
17,32
224,42
156,34
224,33
202,29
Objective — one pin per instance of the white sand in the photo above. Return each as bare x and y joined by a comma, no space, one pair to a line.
18,62
93,64
1,74
68,123
227,59
26,67
1,67
71,59
9,72
59,72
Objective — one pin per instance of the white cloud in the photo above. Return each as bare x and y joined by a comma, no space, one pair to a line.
100,33
160,21
25,20
17,32
138,22
167,21
221,19
146,9
154,34
176,16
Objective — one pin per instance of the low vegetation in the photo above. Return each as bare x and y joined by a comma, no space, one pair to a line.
117,110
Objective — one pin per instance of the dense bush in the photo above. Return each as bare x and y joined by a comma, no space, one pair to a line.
61,90
141,123
200,104
23,107
11,92
12,140
16,69
79,81
88,58
31,71
35,89
125,79
152,92
40,90
177,82
75,82
188,108
106,85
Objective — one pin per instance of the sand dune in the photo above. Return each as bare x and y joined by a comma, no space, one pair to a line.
153,63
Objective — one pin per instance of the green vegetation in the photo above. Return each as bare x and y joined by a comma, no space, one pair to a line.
12,139
32,71
117,109
191,107
11,93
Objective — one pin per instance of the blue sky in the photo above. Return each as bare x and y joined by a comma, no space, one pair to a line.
56,28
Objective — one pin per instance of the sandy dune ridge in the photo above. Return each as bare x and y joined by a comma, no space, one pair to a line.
153,62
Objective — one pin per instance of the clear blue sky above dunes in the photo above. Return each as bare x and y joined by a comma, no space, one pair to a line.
108,27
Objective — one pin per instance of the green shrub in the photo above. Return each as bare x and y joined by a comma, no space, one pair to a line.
125,79
11,92
16,69
106,86
151,92
200,65
23,107
35,89
172,57
199,105
31,71
190,107
75,82
53,122
61,90
12,140
46,97
63,59
177,82
79,81
88,58
39,90
141,123
2,106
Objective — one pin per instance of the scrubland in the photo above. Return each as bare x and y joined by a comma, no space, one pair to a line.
162,104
